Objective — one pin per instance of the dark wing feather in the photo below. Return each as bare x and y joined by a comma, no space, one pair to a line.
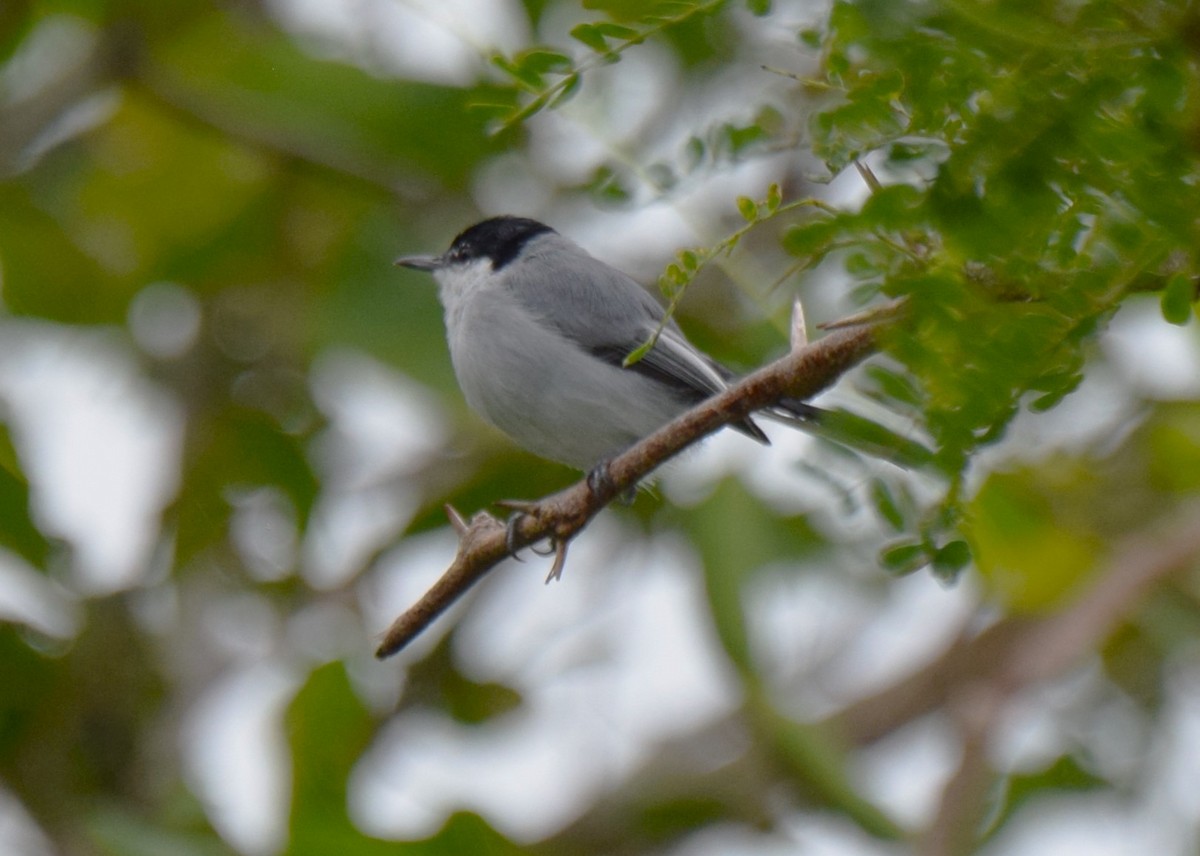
609,315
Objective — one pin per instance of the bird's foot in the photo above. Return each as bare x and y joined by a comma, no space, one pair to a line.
558,543
521,509
599,479
600,483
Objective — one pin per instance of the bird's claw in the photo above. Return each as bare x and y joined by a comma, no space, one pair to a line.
560,558
558,545
511,527
521,509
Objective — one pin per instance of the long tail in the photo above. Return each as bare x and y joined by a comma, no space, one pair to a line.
854,432
790,409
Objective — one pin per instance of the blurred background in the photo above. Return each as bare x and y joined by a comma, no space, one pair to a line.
228,428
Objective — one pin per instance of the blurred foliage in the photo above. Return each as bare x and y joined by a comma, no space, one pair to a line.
1027,169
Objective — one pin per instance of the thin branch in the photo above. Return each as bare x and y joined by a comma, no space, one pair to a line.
931,688
977,709
1141,561
486,542
873,315
1048,648
868,176
457,521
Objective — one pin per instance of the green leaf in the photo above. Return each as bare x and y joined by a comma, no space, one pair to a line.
18,532
1177,298
518,71
774,198
895,207
328,729
904,557
436,681
637,353
617,31
1173,442
1051,399
748,208
865,120
869,437
544,60
950,559
1064,776
494,106
1029,556
893,385
812,238
739,138
592,36
885,504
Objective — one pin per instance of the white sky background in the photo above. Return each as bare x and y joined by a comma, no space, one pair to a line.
101,446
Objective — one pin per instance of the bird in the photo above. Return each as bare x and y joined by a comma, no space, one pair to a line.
539,331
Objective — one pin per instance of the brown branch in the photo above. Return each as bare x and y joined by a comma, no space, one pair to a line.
484,543
1048,648
932,687
966,682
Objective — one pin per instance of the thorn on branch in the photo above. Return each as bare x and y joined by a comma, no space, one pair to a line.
456,520
868,176
799,336
560,559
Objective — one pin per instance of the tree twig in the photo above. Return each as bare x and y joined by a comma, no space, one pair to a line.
485,542
1046,649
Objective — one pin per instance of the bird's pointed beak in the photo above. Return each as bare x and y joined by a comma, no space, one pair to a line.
429,263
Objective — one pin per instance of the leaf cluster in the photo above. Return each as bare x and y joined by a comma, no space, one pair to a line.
1037,191
540,78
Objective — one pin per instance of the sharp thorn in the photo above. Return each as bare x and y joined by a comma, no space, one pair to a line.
560,559
799,326
456,519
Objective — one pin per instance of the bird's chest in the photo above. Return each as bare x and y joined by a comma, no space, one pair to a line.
501,355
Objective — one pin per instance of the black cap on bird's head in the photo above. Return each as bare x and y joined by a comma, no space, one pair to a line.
499,239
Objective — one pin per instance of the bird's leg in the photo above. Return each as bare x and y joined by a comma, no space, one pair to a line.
599,480
600,483
520,509
558,543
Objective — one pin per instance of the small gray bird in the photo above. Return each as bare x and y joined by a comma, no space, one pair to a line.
538,332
